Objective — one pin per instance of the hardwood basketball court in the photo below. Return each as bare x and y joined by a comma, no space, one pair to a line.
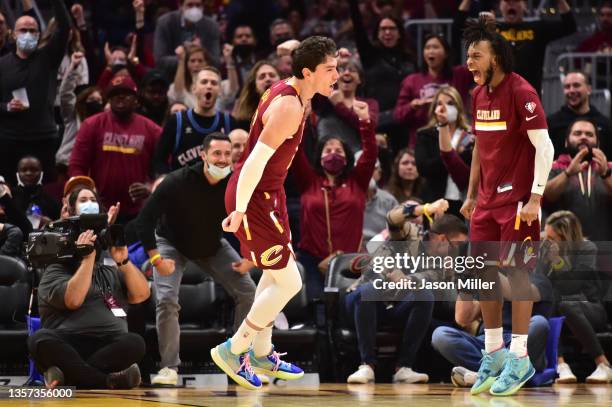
329,395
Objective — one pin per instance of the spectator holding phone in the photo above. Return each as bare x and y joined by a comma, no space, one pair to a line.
28,85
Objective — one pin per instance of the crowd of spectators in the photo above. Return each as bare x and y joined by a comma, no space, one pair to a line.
113,96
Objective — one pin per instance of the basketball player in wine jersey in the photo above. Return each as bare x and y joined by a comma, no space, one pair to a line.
255,201
510,165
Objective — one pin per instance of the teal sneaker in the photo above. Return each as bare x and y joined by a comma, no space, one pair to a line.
237,367
517,371
272,365
491,366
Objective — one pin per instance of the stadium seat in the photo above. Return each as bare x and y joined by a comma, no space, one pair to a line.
341,336
197,319
14,291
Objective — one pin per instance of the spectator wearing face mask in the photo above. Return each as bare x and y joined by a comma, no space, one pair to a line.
181,140
174,231
115,148
77,103
280,31
29,193
333,199
84,340
185,27
446,137
243,53
28,85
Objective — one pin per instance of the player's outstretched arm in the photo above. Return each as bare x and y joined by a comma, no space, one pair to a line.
470,201
281,120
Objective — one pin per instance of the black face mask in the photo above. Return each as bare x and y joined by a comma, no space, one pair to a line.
282,39
93,107
243,50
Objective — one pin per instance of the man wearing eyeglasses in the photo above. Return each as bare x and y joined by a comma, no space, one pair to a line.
28,85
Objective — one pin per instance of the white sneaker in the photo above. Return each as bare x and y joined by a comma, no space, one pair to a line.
565,374
166,376
603,374
462,377
407,375
363,375
263,379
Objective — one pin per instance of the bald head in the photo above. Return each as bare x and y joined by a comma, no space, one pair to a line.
26,24
26,35
239,138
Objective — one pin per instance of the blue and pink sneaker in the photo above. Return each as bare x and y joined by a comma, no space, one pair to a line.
273,366
237,367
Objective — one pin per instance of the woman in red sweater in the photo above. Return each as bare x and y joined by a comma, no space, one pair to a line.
333,198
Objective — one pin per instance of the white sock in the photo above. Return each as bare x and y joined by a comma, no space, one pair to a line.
494,339
518,345
262,344
243,338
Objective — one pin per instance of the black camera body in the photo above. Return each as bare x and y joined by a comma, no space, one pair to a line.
57,242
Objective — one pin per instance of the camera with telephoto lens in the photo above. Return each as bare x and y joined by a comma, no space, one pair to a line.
58,241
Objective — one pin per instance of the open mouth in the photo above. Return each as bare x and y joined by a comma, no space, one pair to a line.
208,95
476,75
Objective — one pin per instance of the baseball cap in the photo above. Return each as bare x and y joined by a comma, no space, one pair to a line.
78,181
121,83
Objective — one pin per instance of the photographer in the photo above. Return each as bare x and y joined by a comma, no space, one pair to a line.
85,341
581,180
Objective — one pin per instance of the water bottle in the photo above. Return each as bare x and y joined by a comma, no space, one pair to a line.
34,215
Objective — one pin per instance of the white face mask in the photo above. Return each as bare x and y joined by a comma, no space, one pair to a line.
219,173
193,14
89,207
372,186
451,113
20,182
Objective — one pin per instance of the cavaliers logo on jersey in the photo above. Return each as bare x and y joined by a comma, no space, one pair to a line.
272,256
530,106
